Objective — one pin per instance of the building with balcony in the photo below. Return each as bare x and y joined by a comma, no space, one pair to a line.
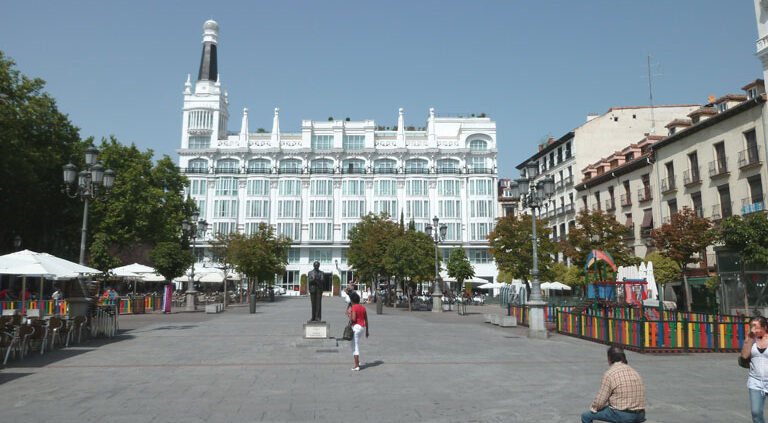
314,185
507,205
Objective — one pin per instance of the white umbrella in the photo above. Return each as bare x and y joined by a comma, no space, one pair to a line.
490,285
557,286
545,286
30,263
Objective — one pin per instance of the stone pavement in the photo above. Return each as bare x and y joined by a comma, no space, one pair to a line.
417,366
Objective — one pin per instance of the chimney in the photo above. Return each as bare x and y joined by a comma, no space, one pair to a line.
541,147
550,141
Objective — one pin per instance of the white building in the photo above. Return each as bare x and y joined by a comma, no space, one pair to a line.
313,186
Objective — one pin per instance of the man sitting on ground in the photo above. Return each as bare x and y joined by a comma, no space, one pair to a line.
621,398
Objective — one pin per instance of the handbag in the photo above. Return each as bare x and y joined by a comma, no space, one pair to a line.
744,362
348,333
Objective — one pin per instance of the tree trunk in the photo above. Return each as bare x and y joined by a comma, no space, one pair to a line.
686,292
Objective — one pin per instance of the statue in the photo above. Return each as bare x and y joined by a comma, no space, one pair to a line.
315,279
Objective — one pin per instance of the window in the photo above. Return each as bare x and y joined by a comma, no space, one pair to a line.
225,208
453,232
354,142
480,208
353,166
258,166
198,187
197,142
289,209
477,164
201,207
257,209
697,206
224,228
226,186
198,166
253,227
478,145
416,188
256,187
227,165
480,187
672,205
449,209
752,93
385,187
568,150
345,228
290,166
322,142
448,166
384,166
385,206
289,230
294,255
448,188
321,231
755,189
322,166
353,187
417,209
416,166
322,255
289,187
478,256
321,208
722,107
353,208
725,200
321,187
559,155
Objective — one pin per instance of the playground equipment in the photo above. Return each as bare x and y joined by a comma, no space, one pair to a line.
602,281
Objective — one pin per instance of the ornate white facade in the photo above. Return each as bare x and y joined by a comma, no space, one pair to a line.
314,185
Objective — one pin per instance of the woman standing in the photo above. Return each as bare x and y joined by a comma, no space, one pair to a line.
359,317
755,352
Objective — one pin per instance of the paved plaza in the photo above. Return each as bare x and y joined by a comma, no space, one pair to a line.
416,366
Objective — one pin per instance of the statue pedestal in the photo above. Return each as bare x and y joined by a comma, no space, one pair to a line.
317,330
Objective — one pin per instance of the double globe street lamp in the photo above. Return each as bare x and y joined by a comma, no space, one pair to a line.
437,233
533,196
192,227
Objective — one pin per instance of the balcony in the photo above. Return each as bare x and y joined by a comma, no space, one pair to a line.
596,206
752,205
691,177
718,168
195,170
645,232
568,208
559,211
385,170
630,234
230,170
568,182
750,157
352,170
289,170
668,185
558,185
453,170
610,205
480,170
261,170
645,194
716,212
321,170
626,200
416,170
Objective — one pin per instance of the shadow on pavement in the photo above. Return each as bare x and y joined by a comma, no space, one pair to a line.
372,364
7,377
178,327
33,359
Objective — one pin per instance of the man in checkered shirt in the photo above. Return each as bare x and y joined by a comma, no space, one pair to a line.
621,398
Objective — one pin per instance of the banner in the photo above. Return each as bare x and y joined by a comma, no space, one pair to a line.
167,298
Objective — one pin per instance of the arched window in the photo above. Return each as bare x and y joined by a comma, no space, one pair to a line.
416,166
353,166
227,166
258,166
290,166
385,166
448,166
198,166
322,166
478,145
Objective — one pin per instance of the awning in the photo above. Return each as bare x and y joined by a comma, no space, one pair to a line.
647,219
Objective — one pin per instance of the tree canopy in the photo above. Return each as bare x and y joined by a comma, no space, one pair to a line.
459,267
260,255
597,230
411,257
665,270
748,236
369,240
171,260
685,236
512,246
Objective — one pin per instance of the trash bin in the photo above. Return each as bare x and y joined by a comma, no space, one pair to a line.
380,303
271,295
252,302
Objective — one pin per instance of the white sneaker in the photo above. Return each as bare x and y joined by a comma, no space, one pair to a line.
356,369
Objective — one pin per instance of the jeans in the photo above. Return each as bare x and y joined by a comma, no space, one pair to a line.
608,414
756,403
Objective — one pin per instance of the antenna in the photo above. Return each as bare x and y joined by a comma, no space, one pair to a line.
650,94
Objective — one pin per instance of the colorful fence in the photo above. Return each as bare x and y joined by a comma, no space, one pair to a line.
710,333
136,305
521,312
48,306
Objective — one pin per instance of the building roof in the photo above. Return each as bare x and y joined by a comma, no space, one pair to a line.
679,122
731,97
756,82
703,110
635,164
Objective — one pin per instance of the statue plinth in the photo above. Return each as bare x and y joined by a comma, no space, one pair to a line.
317,330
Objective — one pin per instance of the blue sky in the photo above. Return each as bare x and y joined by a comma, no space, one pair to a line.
535,67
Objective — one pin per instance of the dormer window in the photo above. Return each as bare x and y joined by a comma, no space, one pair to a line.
752,93
695,119
629,156
722,107
672,130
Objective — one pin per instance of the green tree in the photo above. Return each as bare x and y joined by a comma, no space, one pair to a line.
665,270
459,267
748,236
368,243
683,240
411,257
37,140
171,260
556,273
597,230
100,256
222,259
512,246
574,277
261,255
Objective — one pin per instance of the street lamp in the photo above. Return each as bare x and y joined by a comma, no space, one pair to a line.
91,183
437,233
17,243
191,227
533,196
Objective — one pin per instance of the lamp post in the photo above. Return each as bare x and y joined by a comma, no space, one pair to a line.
533,197
437,233
17,243
92,182
191,227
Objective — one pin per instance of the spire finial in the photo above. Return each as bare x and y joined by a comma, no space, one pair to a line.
276,128
208,62
244,128
188,85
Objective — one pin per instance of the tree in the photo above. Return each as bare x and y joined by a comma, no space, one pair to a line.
368,243
556,273
748,237
410,257
683,239
170,260
459,267
261,255
37,140
512,246
665,270
100,257
598,230
222,259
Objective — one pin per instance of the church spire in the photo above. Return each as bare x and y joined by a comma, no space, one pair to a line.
208,63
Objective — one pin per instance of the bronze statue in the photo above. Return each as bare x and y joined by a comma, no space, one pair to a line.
315,279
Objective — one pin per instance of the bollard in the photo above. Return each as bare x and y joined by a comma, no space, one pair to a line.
252,303
380,303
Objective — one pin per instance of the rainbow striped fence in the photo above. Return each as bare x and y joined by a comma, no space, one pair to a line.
48,306
136,305
521,312
712,333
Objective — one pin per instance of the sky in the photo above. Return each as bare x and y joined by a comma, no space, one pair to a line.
537,68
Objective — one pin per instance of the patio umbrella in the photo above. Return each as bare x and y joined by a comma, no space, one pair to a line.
490,285
557,286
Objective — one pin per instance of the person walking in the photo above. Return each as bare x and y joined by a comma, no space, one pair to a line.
754,355
621,398
359,317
